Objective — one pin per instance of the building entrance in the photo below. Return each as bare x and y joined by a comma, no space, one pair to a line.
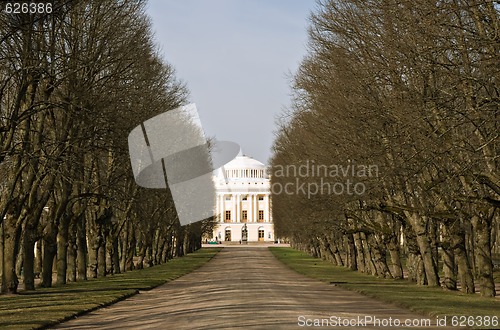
261,235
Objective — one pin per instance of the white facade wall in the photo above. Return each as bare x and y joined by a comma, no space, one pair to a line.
243,188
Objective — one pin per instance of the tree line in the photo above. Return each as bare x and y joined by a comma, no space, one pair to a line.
411,87
73,84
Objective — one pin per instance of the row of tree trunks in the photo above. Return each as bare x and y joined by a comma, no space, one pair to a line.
409,90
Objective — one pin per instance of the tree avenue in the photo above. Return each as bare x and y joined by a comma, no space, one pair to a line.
412,88
73,84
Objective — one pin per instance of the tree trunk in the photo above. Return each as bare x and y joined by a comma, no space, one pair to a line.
379,258
464,271
351,252
361,256
370,266
482,230
142,253
20,256
421,274
81,245
115,258
450,278
129,255
179,245
12,233
396,265
428,261
328,251
62,250
149,254
187,246
72,263
430,266
156,247
93,257
465,276
38,257
29,259
101,256
3,287
49,253
160,252
124,247
81,262
411,267
337,255
168,249
71,277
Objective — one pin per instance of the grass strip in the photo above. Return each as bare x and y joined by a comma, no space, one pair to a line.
49,306
421,299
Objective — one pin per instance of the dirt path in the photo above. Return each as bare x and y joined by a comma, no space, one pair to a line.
244,287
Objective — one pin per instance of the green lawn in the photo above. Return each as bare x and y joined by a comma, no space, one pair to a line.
430,301
50,306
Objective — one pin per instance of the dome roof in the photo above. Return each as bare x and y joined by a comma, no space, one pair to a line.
244,162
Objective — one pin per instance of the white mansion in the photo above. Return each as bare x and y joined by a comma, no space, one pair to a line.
243,204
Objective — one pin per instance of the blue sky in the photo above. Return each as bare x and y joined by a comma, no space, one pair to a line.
235,57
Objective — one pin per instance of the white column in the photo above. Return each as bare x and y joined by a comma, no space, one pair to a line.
238,208
218,209
222,201
233,207
256,209
250,207
269,208
266,208
217,204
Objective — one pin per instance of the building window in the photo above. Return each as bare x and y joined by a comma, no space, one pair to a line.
261,215
228,216
244,216
244,198
261,198
228,198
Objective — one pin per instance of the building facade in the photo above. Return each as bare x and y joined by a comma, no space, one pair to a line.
243,202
